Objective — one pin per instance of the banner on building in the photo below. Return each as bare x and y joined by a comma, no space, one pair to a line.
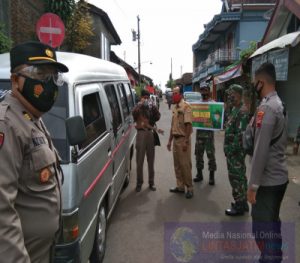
229,74
208,115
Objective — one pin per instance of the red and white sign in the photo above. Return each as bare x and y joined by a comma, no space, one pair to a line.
50,30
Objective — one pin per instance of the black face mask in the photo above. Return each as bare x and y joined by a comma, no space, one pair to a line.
39,94
258,91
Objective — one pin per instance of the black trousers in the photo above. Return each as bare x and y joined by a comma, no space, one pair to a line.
266,224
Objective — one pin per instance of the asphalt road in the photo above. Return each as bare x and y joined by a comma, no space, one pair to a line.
137,229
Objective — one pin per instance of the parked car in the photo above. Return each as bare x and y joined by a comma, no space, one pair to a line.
192,96
92,127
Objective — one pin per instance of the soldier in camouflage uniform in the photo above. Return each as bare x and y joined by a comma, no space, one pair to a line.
233,149
205,142
227,105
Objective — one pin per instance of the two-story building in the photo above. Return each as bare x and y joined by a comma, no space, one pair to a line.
19,19
225,36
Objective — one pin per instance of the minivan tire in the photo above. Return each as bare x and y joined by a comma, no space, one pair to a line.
99,247
127,177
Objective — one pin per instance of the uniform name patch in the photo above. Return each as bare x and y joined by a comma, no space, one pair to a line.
1,139
259,118
38,141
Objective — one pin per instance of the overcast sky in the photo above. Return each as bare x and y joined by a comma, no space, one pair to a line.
168,30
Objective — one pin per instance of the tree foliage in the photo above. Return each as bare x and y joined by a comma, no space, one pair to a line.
5,42
62,8
171,83
79,28
248,51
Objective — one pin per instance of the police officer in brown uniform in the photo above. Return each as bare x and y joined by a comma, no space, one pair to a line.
180,134
30,195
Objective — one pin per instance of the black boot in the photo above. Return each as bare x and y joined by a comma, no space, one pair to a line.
237,209
199,176
211,178
245,205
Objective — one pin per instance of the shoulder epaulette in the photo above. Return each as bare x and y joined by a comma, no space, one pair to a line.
3,93
3,109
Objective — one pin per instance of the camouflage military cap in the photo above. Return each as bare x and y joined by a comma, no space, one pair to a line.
236,88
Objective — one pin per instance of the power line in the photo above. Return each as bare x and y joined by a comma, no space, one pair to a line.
120,8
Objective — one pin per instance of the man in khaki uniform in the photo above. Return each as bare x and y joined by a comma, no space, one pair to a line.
180,134
30,196
145,115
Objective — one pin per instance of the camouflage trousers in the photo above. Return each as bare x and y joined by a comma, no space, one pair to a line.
237,176
208,145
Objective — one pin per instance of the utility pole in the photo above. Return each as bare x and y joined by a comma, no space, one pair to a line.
171,68
139,49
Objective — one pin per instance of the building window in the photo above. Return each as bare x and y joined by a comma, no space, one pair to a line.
294,25
105,47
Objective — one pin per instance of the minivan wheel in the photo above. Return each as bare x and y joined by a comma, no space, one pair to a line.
98,251
127,178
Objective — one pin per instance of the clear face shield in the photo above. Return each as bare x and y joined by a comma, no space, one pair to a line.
43,73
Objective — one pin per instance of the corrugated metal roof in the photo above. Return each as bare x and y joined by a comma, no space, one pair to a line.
291,39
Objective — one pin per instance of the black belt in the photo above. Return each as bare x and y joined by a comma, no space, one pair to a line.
144,129
178,136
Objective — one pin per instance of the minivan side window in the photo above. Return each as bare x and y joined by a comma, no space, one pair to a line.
129,97
114,105
93,118
124,102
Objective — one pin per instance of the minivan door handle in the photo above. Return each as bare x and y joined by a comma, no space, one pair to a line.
109,152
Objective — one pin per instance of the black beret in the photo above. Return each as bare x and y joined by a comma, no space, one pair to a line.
205,87
145,93
34,53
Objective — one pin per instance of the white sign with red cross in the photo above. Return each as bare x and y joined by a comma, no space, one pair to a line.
50,30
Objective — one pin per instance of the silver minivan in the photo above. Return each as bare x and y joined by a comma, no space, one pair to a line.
92,128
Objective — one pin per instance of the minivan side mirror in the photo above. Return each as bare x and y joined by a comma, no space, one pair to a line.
76,132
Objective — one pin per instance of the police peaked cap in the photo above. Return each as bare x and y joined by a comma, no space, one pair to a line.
34,53
236,88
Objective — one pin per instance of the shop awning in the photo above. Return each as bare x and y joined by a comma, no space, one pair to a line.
291,39
229,74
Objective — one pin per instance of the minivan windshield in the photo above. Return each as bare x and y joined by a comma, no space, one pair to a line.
54,119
